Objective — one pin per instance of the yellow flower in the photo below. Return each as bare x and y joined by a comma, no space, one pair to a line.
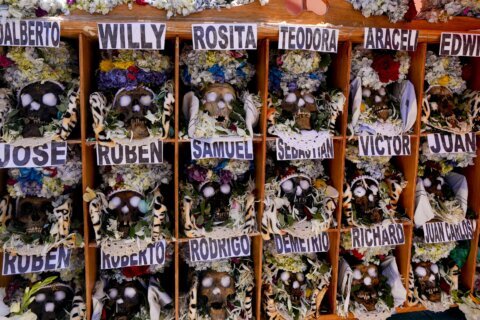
443,81
106,65
211,58
308,293
363,107
320,184
123,64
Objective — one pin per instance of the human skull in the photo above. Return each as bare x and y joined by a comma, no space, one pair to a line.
294,285
427,280
366,280
216,287
132,105
297,189
379,101
32,213
218,198
366,196
300,106
127,206
53,301
125,300
443,98
38,102
218,100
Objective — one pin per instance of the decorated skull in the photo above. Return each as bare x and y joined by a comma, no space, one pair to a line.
38,102
364,285
366,196
128,206
217,197
433,182
294,285
125,299
297,189
300,106
217,101
379,101
132,105
32,213
427,280
51,302
443,98
216,287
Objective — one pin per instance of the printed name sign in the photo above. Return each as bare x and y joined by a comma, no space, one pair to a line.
288,152
124,154
226,148
29,33
384,146
290,244
390,39
459,44
378,236
55,259
153,254
51,154
228,36
139,36
436,232
292,37
451,143
208,249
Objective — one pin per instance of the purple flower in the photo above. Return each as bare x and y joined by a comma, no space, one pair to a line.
70,2
197,173
225,176
39,12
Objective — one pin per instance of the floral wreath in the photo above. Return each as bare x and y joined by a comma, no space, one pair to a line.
434,11
447,161
295,79
218,199
396,10
376,177
137,189
294,277
373,255
382,100
313,214
135,111
219,104
239,304
39,71
48,192
447,105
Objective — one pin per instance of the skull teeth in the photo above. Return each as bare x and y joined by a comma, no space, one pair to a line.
34,230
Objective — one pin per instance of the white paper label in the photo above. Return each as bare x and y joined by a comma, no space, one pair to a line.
56,259
51,154
378,236
135,36
451,143
227,36
223,148
390,39
312,38
121,154
288,152
153,254
436,232
29,33
377,146
208,249
289,244
459,44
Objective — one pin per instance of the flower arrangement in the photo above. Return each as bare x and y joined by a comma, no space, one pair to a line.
294,285
218,199
299,98
447,161
373,255
127,211
448,106
32,8
382,100
219,104
443,10
394,9
299,199
372,189
137,112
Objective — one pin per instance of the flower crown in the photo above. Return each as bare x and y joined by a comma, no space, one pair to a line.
447,161
394,9
215,170
373,255
34,8
444,71
435,11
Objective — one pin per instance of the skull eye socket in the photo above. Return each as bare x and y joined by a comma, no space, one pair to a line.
49,99
285,276
357,274
114,203
208,192
427,183
40,297
308,99
113,293
359,192
207,282
211,96
125,101
135,201
304,184
26,99
225,188
420,271
228,97
300,277
225,281
130,292
434,268
60,295
146,100
291,98
372,272
287,186
374,189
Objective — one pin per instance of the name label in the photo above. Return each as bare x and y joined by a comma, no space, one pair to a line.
139,36
55,259
227,36
290,244
459,44
226,148
384,145
288,152
29,33
437,232
294,37
47,155
207,249
451,143
378,236
125,154
153,254
390,39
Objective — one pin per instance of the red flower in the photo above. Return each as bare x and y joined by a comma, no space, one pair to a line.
386,67
236,54
141,2
131,76
11,181
131,272
356,254
133,69
5,62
